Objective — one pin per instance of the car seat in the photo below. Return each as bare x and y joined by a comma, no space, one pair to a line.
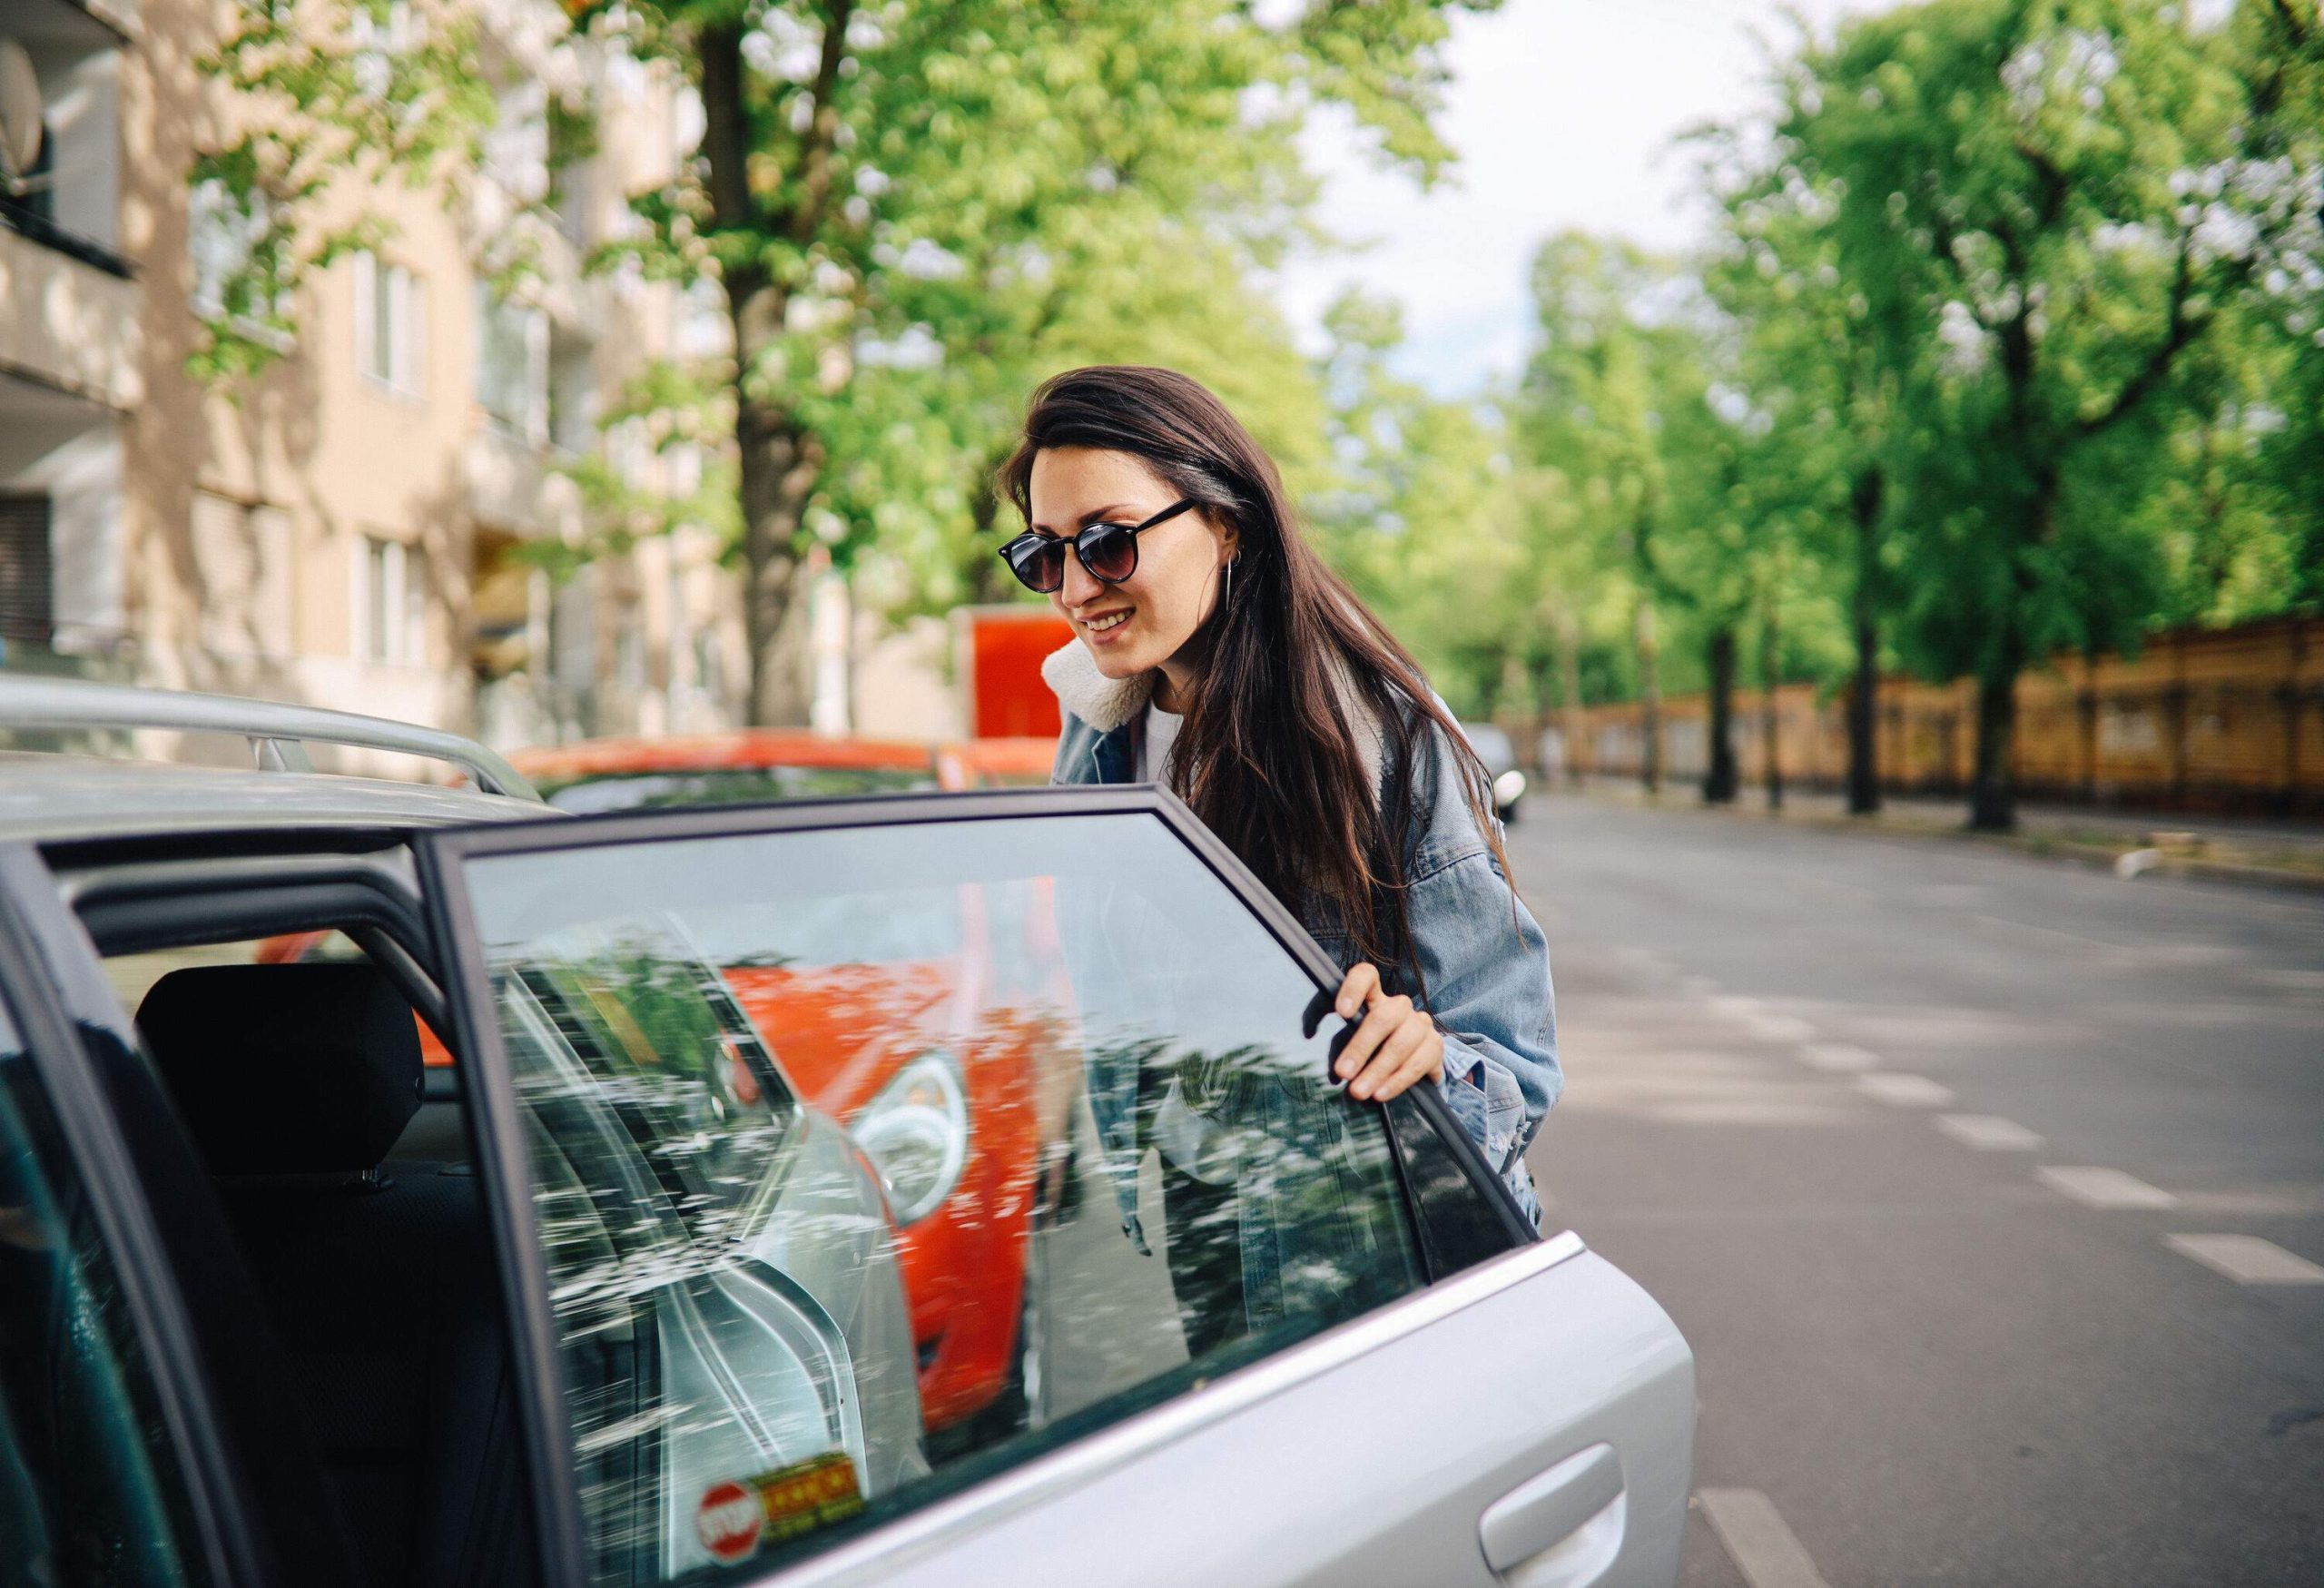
294,1082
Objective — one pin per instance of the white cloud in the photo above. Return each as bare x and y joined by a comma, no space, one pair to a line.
1563,113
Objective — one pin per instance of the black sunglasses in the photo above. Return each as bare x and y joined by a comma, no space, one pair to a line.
1110,551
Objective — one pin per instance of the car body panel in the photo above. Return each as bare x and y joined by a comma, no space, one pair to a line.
46,798
1364,1458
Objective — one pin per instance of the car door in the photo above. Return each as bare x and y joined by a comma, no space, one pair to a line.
1268,1335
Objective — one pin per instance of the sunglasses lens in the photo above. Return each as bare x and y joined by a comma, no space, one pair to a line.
1039,565
1110,551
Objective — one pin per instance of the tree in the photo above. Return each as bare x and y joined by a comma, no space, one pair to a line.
894,198
2070,170
1831,366
1617,363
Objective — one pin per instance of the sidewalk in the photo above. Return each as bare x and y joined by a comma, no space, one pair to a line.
2131,843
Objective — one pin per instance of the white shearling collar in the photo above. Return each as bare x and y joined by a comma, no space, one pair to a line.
1107,704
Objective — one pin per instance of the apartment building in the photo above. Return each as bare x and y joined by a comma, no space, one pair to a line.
356,526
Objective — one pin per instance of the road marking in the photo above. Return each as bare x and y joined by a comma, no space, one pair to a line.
1766,1551
1778,1028
2247,1259
2104,1187
1904,1092
1988,1132
1838,1056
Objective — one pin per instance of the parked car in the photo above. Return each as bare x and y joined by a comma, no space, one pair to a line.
738,767
1500,756
1000,763
618,1307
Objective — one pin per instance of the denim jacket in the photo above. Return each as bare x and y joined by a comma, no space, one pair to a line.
1482,960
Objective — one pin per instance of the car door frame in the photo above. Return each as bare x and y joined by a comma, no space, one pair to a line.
52,982
1461,1212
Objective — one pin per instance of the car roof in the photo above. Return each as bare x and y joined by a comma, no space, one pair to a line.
740,750
46,797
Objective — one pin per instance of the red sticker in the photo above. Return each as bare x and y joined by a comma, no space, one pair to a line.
728,1522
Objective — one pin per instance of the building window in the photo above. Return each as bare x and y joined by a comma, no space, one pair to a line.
27,578
390,324
393,600
512,366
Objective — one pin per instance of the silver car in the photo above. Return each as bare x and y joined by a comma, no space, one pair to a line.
1264,1334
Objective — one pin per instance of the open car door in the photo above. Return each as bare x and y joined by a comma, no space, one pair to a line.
780,1105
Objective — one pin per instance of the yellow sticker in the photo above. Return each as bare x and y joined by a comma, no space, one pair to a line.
812,1493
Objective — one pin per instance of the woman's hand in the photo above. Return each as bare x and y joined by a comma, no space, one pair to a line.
1395,1046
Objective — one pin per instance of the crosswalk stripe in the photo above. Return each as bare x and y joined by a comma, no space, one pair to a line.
1988,1132
1905,1091
2103,1188
1838,1057
2247,1259
1764,1549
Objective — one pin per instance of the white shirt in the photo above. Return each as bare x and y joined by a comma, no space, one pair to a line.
1160,738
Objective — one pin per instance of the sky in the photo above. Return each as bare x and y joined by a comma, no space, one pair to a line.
1562,112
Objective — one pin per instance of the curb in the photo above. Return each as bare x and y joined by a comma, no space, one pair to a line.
2102,856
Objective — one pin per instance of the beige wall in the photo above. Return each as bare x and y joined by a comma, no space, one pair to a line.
246,517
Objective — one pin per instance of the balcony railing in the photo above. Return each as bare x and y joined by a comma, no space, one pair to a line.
28,222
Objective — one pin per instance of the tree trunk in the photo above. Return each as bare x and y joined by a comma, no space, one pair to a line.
1650,699
1770,676
1992,786
1569,671
1720,776
779,467
1863,693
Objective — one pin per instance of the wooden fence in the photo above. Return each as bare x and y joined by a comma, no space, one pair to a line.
2214,719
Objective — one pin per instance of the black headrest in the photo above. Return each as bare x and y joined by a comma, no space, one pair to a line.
285,1069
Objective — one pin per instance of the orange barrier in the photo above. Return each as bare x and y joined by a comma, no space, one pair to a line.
2200,719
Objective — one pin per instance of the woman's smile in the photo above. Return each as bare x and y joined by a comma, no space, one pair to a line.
1101,628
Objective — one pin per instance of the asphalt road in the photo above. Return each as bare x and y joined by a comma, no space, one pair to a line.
1901,1132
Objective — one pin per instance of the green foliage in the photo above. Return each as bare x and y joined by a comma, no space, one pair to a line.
324,101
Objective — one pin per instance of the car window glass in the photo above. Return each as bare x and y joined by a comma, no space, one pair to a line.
1059,1149
90,1491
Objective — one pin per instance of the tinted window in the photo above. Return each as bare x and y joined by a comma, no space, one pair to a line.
90,1493
653,790
1061,1151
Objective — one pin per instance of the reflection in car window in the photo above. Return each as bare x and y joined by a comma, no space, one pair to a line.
730,786
89,1493
1059,1149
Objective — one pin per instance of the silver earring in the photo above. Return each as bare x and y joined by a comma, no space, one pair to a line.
1226,581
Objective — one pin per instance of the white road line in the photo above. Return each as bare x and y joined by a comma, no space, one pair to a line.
2247,1259
1838,1056
2104,1187
1763,1548
1988,1132
1778,1028
1904,1092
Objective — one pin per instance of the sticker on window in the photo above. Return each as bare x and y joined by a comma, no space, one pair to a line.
734,1518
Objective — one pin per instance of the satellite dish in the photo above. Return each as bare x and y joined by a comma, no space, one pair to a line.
20,119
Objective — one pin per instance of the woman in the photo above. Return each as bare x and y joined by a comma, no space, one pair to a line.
1215,652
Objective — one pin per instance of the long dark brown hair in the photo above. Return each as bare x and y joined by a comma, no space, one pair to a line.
1267,756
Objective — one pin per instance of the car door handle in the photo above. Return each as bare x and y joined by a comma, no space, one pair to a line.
1561,1529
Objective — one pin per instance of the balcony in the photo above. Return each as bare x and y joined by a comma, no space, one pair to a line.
68,323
